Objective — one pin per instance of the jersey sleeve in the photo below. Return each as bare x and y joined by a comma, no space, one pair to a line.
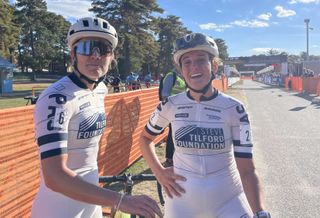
241,133
159,119
52,115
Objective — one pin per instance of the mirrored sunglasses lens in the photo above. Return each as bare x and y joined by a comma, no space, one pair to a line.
89,47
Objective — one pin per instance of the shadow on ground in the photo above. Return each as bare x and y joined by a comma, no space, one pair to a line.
314,100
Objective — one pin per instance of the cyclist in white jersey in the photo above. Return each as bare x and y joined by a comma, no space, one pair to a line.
69,120
213,173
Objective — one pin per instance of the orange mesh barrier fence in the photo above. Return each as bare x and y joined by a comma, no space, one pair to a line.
294,83
127,113
221,84
311,85
247,77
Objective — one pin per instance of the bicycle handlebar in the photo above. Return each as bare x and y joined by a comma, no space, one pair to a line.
127,177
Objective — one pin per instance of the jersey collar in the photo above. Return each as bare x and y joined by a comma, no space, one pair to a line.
203,98
77,81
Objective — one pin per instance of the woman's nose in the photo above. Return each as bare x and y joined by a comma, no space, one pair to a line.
95,53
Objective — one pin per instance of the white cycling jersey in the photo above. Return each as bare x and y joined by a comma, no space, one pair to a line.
208,136
69,119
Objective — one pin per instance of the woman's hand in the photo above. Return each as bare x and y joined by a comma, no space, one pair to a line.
141,205
167,178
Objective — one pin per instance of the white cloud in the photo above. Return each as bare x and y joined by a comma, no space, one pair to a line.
257,51
315,46
213,26
265,16
241,23
218,11
303,1
250,24
69,8
283,12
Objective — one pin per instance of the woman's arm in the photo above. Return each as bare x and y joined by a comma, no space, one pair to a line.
165,176
60,178
251,183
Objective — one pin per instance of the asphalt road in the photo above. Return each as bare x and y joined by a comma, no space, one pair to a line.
286,136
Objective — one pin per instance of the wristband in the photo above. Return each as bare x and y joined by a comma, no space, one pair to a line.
119,202
262,214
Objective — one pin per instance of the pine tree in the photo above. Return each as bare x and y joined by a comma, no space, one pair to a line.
9,31
133,21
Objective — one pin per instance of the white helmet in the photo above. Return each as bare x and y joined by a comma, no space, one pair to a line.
191,42
92,27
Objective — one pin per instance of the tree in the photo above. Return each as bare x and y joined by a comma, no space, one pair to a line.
223,48
133,21
272,51
169,29
42,38
9,31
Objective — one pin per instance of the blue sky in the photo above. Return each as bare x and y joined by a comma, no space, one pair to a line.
248,26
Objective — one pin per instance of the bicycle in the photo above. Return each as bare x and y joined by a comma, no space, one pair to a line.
32,99
128,181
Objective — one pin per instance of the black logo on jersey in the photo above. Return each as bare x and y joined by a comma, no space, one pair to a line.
85,105
244,119
182,115
164,101
212,109
92,126
200,138
213,117
184,107
159,107
240,109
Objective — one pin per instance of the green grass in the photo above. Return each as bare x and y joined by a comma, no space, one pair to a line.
140,166
12,102
20,90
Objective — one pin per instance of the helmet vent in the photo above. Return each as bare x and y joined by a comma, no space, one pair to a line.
71,32
105,25
95,22
85,23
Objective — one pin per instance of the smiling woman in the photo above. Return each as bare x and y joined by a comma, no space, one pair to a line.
212,163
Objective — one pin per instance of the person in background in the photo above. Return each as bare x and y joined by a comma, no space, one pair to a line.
69,120
147,80
171,84
116,82
213,173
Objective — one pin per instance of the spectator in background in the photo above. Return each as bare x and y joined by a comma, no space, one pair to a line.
147,80
170,84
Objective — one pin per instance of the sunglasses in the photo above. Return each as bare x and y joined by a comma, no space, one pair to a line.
190,41
88,47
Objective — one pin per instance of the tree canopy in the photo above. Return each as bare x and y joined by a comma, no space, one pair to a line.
35,39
